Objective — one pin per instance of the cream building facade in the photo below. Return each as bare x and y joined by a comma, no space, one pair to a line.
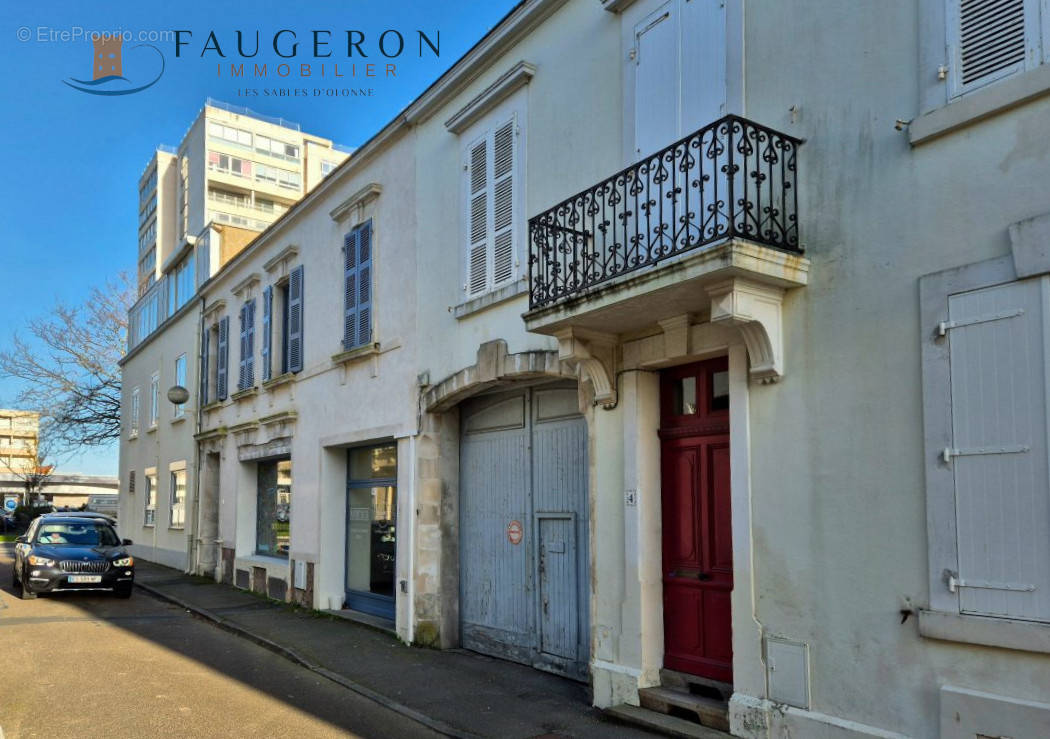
705,362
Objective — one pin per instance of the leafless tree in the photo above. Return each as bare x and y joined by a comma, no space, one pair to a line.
66,362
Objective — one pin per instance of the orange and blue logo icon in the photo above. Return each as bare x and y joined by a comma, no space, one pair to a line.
107,68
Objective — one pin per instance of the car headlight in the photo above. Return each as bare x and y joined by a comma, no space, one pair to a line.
41,561
124,562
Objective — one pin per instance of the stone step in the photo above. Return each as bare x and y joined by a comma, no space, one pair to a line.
661,723
708,711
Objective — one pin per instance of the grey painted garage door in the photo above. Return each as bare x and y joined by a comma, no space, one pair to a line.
523,529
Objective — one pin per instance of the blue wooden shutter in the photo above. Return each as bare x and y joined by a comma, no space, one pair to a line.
267,337
350,289
205,336
295,319
241,365
223,360
364,284
249,336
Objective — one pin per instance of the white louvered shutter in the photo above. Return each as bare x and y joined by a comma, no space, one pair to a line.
477,216
998,367
989,40
503,170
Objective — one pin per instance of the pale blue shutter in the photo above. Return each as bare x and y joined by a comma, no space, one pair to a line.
205,336
223,360
350,289
242,363
364,284
267,328
249,335
295,319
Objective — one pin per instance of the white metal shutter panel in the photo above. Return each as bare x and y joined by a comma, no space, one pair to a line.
657,87
998,355
477,218
989,39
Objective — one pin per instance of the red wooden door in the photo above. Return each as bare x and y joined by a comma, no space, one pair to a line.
697,525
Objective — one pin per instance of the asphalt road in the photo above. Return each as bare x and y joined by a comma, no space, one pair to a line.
90,665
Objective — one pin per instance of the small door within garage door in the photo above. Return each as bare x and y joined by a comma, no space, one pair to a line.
523,529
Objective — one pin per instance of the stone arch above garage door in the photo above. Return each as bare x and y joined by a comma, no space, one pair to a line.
494,368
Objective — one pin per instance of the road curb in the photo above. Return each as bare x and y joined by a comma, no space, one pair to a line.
291,655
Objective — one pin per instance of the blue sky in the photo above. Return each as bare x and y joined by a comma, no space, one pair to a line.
73,160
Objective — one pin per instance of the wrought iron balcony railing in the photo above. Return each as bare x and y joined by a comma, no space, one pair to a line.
732,178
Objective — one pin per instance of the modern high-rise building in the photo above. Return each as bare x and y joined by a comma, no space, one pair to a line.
234,168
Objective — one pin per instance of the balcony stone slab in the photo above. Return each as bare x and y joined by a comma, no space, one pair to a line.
735,282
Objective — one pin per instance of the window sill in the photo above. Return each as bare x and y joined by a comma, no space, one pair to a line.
133,435
1026,636
176,528
212,406
149,525
980,104
263,560
360,352
246,393
497,296
281,379
178,419
151,429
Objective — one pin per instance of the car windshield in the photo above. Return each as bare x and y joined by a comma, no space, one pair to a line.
77,534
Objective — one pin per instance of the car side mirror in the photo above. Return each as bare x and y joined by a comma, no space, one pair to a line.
20,540
127,542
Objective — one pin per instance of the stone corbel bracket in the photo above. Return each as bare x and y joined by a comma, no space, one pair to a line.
592,353
755,309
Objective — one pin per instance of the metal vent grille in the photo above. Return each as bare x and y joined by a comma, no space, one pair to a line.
991,37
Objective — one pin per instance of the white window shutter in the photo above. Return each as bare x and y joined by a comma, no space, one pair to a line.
503,174
477,216
989,39
999,388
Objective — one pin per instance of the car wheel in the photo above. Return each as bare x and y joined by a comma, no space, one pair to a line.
14,578
123,592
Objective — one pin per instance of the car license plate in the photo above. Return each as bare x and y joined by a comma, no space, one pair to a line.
85,578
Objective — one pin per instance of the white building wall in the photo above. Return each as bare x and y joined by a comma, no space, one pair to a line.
170,442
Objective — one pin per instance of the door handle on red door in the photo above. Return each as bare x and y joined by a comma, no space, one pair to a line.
703,576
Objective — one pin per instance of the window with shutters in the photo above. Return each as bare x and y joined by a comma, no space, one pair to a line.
991,39
986,382
491,200
357,287
131,482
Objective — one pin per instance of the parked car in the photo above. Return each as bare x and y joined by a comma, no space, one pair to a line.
83,514
64,552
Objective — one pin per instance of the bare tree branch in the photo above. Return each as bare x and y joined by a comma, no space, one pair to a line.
68,366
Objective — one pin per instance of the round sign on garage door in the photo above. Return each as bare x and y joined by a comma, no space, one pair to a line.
10,504
514,532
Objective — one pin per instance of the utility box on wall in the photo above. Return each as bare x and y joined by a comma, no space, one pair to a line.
787,671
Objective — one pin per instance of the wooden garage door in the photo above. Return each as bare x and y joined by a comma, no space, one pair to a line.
523,528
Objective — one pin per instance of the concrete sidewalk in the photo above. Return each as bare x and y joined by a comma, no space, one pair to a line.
455,692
